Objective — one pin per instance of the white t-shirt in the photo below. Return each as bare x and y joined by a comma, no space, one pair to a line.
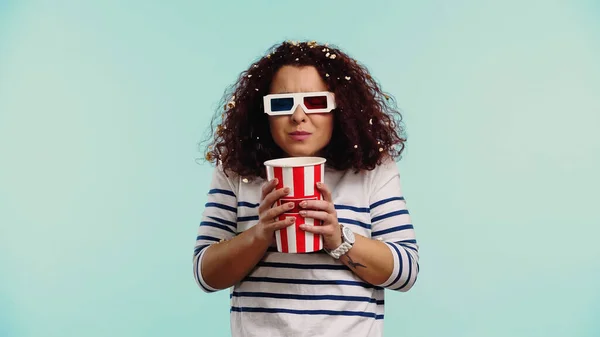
313,294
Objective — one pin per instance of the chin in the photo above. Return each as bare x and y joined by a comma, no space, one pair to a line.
295,152
300,154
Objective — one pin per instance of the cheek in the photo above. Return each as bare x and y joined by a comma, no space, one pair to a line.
276,125
272,123
325,123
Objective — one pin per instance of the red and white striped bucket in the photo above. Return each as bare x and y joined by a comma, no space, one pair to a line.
301,175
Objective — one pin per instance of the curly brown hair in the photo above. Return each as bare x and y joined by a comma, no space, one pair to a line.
367,124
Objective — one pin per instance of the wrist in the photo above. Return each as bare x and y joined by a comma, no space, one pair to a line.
347,240
335,241
259,238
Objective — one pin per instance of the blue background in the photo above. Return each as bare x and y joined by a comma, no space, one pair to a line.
102,104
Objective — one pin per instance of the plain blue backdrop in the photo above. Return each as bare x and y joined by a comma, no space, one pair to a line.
102,104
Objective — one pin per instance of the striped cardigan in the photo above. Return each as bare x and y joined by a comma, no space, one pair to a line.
313,294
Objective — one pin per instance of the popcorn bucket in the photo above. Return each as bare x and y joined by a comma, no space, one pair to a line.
301,175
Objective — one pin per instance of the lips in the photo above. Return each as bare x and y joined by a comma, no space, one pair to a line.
299,135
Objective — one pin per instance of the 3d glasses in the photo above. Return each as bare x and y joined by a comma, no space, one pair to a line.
311,102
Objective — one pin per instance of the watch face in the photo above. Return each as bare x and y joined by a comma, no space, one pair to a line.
348,234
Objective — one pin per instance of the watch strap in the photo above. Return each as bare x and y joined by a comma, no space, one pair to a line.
339,251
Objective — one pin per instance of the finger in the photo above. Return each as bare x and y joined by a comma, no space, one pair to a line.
317,215
277,211
281,224
325,191
272,197
268,187
323,230
318,205
275,195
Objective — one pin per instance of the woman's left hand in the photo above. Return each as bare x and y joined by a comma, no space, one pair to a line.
323,210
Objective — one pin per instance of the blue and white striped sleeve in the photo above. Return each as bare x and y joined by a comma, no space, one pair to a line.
218,221
391,223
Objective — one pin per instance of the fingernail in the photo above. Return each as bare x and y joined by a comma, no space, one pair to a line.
319,184
286,190
292,220
303,213
303,204
275,181
290,205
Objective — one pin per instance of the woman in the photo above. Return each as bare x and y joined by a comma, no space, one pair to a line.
313,294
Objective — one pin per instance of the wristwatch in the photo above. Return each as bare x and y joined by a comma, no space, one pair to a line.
347,243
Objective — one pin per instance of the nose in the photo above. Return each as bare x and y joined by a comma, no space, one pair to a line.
299,115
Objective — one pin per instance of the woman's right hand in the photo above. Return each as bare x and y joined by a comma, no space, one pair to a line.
268,216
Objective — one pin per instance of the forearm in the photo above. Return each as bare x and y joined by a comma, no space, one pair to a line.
369,259
226,263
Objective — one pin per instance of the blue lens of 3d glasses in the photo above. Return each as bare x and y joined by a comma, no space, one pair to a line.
282,104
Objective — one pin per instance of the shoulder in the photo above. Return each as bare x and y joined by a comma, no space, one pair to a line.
225,178
237,182
384,170
382,174
367,180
